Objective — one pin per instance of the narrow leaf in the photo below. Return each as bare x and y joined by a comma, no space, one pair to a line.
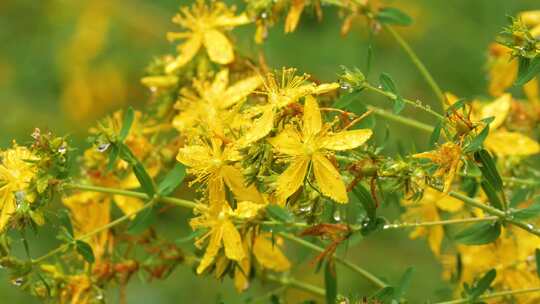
330,282
172,180
142,221
488,168
404,283
478,141
492,195
387,83
391,15
436,134
528,69
483,284
344,100
279,213
537,255
364,197
126,124
85,251
479,234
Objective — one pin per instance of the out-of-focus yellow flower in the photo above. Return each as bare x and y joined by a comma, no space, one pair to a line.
205,26
281,92
312,147
207,105
16,173
218,218
532,20
213,163
448,158
297,7
427,210
502,70
90,211
77,290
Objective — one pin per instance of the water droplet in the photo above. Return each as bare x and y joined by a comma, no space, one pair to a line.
103,147
99,296
264,15
17,281
345,86
337,216
306,208
530,226
379,87
62,149
153,89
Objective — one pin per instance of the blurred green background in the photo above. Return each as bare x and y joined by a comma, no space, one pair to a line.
65,63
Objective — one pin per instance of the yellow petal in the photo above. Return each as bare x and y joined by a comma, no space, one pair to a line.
312,117
325,88
346,140
240,90
247,210
218,47
220,82
232,21
530,18
287,142
232,242
128,205
234,179
504,143
290,180
194,156
261,127
328,179
531,90
435,238
499,109
269,255
216,189
212,250
297,6
8,206
187,51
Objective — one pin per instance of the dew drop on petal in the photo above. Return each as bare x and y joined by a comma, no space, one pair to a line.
103,147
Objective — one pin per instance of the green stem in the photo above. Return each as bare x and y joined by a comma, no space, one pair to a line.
370,277
94,232
288,281
393,96
505,217
494,295
418,63
166,199
445,222
400,119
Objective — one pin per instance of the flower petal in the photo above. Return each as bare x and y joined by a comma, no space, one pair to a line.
218,47
504,143
212,249
194,156
240,90
220,82
8,206
297,6
290,180
312,117
128,205
187,51
234,179
231,21
287,142
269,255
260,128
232,242
328,179
346,140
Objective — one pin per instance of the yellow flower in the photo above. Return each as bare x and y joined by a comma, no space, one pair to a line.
16,173
281,93
213,163
502,70
205,26
427,209
312,147
207,105
297,7
448,158
217,217
90,211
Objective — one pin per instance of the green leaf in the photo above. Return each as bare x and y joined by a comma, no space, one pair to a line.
126,124
528,69
436,134
531,212
477,142
344,100
140,172
113,155
537,255
492,195
388,85
488,168
483,284
330,282
85,251
460,103
391,15
479,234
364,197
404,283
279,213
385,294
142,221
65,221
172,180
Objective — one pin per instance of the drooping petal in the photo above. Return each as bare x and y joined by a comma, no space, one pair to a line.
312,117
287,142
218,46
297,6
187,51
346,140
232,21
435,237
261,127
212,249
328,179
504,143
269,255
234,179
290,180
7,207
232,242
240,90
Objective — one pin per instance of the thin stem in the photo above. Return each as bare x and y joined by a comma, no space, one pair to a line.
407,101
400,119
418,63
506,217
166,199
445,222
494,295
288,281
94,232
366,274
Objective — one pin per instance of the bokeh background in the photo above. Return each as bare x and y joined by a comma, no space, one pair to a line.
66,63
